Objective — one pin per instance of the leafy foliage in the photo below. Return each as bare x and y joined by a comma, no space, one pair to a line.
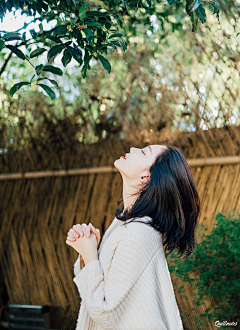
87,30
215,265
165,81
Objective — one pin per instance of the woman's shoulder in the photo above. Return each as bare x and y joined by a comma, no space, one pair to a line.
141,227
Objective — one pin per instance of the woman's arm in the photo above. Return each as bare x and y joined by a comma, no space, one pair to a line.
78,265
103,294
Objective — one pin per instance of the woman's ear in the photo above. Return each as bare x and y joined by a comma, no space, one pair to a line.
145,178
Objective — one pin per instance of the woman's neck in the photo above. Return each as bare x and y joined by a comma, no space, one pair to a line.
128,191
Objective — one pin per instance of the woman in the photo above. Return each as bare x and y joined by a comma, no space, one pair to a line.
126,284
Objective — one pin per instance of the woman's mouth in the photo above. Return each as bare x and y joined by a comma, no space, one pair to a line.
124,157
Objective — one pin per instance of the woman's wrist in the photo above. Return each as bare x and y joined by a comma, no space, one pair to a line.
90,257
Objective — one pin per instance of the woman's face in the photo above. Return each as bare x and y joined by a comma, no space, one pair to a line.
138,162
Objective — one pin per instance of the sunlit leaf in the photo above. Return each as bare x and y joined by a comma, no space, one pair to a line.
82,13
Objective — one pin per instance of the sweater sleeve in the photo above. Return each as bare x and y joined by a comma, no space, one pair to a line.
78,265
102,294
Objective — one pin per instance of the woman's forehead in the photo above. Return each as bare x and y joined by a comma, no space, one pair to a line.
157,147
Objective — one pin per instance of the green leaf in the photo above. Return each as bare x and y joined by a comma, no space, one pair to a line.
173,2
51,80
53,69
16,3
82,13
2,43
17,86
12,36
32,78
57,40
118,44
44,6
192,5
88,33
66,58
96,24
94,37
201,13
194,20
38,69
118,19
16,51
76,54
96,13
215,6
54,51
48,90
37,52
40,27
33,33
87,58
105,63
61,30
115,35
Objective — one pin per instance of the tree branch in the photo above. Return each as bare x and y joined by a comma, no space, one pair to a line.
5,64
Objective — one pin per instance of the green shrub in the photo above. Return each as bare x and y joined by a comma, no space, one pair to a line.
215,266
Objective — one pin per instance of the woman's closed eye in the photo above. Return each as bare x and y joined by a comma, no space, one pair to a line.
143,152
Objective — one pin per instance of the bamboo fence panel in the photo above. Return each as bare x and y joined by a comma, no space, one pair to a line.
36,263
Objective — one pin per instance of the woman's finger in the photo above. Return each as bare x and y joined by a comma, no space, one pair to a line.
70,238
74,232
96,232
78,229
70,234
68,242
93,229
87,231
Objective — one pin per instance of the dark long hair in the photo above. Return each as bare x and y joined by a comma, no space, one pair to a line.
171,200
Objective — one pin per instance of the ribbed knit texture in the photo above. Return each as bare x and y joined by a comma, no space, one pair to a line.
129,287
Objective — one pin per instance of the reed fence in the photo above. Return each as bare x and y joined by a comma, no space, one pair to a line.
36,213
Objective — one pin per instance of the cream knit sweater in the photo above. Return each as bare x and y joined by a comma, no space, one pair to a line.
129,287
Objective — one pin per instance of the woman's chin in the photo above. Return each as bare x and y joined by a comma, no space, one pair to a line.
116,162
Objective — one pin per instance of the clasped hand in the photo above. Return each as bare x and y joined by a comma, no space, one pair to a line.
85,240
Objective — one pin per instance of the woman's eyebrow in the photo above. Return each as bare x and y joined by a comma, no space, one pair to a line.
150,149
